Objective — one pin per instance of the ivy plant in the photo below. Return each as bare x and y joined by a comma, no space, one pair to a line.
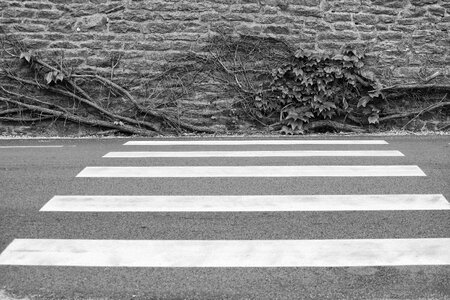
315,86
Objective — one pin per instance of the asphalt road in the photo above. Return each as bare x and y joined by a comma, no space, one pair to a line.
30,177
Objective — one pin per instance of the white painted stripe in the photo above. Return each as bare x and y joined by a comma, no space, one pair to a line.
227,253
48,146
254,171
144,154
246,203
254,142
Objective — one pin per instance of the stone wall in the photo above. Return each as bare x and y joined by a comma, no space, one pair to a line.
406,39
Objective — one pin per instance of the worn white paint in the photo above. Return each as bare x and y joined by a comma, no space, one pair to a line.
227,253
254,171
47,146
253,142
246,203
348,153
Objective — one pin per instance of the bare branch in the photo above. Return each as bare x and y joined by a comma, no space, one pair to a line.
82,120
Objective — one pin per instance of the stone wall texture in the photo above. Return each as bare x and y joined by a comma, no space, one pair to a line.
405,40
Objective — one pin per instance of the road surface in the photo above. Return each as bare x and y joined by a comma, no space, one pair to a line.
234,218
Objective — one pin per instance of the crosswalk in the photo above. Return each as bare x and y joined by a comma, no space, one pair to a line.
304,153
240,253
253,171
229,253
170,203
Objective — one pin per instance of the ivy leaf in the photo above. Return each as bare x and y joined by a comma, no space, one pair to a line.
347,58
295,124
300,53
319,85
309,114
359,64
318,98
286,130
363,101
344,103
374,119
367,111
26,56
374,109
298,72
304,119
329,105
59,77
328,114
375,94
292,115
259,114
49,77
368,75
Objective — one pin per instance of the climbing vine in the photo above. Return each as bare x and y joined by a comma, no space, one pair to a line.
320,86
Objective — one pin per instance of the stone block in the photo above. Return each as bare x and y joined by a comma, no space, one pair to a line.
49,14
343,36
338,17
124,27
305,11
64,25
391,3
29,27
37,5
277,29
95,22
63,45
390,36
413,12
365,19
18,13
423,2
437,11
